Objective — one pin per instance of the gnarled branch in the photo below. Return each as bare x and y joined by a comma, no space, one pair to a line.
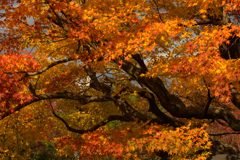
83,99
81,131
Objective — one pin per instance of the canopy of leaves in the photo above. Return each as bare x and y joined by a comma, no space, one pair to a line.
118,78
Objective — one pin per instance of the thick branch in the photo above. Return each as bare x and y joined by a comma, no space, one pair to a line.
137,57
207,105
94,83
174,105
222,148
32,90
168,101
221,134
235,98
214,113
128,111
83,99
153,107
123,106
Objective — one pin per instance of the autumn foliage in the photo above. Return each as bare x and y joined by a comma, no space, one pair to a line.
119,78
130,142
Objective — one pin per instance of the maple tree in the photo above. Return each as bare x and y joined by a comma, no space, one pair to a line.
118,78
